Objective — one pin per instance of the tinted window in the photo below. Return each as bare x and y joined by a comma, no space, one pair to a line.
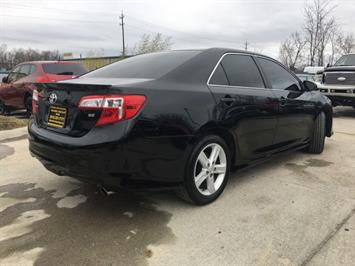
242,71
219,77
279,77
64,69
151,66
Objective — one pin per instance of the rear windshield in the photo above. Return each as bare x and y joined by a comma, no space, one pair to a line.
149,66
64,69
346,60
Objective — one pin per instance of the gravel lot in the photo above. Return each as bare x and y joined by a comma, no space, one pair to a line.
297,209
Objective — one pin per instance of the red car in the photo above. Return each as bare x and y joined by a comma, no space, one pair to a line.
16,89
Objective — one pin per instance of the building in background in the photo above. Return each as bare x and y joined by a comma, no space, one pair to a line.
92,63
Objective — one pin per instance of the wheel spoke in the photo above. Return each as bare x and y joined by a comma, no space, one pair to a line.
203,159
210,185
220,169
214,154
200,178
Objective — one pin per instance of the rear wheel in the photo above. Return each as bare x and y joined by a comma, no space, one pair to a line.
207,171
317,142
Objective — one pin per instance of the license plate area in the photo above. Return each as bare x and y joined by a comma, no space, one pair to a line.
57,116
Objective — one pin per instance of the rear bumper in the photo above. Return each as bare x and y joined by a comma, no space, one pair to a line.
126,162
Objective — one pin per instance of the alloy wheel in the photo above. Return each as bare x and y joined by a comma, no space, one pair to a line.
210,169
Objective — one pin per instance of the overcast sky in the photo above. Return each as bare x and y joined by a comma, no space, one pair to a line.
79,26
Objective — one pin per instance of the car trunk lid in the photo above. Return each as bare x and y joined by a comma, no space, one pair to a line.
58,103
58,107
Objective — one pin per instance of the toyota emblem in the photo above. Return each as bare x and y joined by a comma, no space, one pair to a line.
53,98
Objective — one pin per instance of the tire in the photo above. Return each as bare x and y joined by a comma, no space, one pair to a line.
3,108
213,174
28,105
316,145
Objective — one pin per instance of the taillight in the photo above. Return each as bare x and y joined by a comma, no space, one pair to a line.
34,101
113,108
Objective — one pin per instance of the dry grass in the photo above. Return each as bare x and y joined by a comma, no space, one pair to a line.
11,122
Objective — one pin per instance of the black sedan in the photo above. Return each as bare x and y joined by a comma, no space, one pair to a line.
176,119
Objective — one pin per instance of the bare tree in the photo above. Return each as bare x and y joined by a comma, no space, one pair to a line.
10,58
291,50
346,44
156,43
319,25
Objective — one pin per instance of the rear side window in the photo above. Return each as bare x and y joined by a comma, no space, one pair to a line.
242,71
64,69
219,77
149,66
278,77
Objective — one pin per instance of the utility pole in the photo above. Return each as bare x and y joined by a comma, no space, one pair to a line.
246,45
122,27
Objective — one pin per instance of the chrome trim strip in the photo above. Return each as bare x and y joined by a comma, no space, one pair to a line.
247,54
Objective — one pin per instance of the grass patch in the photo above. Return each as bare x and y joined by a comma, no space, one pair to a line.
11,122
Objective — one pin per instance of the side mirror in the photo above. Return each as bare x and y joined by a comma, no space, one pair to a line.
4,79
329,65
310,86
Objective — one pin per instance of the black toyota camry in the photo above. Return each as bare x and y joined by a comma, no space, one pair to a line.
177,119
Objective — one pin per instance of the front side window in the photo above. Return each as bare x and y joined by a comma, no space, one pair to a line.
33,69
240,70
278,77
13,74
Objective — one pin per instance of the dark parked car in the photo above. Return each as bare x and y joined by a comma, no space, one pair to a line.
177,119
338,81
16,90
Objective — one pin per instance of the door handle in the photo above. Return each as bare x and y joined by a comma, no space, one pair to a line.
283,101
228,99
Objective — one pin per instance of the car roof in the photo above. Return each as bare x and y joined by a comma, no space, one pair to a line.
204,62
223,50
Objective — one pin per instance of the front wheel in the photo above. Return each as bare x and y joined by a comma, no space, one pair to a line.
207,171
3,108
316,145
28,105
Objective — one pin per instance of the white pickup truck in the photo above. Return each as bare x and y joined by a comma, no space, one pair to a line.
338,81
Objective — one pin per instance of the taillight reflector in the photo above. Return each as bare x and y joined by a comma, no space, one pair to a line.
113,108
34,101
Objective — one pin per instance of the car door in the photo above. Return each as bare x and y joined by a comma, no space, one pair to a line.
244,105
8,92
295,108
22,84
